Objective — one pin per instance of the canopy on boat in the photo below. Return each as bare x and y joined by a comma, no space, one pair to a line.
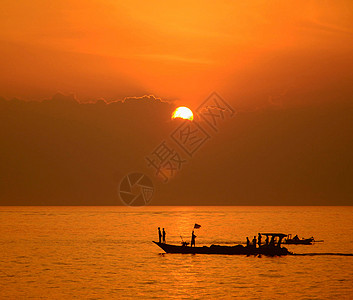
275,234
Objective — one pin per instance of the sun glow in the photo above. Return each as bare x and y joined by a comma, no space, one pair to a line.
183,112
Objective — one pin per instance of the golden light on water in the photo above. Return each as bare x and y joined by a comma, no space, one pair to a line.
183,112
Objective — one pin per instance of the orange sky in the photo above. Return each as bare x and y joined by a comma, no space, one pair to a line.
250,51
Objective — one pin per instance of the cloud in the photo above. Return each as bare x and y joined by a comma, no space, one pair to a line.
57,152
137,100
176,58
62,98
146,99
325,27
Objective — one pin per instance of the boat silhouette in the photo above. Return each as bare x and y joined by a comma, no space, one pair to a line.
268,250
296,241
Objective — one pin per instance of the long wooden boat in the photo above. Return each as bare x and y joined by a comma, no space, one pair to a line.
267,250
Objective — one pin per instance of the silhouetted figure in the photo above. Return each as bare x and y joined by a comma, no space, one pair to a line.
163,236
159,235
254,241
296,238
279,241
272,242
259,239
193,236
247,242
267,240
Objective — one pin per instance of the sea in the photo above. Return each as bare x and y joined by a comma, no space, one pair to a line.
107,253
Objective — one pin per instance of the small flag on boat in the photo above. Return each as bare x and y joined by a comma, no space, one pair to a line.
197,226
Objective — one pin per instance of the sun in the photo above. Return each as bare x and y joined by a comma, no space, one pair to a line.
183,112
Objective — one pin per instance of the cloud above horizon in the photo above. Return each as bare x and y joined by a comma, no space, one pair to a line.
63,152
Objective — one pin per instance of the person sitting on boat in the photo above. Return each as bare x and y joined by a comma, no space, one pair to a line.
247,242
272,242
163,236
193,236
259,239
254,241
159,234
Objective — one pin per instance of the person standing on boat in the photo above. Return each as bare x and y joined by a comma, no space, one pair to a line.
254,241
159,234
259,239
193,236
163,236
247,242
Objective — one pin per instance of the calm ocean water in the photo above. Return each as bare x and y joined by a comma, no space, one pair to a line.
106,252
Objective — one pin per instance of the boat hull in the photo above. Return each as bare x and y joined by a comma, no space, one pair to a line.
225,250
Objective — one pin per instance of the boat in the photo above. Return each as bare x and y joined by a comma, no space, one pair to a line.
269,250
297,241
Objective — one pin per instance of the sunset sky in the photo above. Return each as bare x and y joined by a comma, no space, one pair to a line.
182,50
291,57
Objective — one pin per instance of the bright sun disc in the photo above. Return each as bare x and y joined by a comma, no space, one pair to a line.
183,112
